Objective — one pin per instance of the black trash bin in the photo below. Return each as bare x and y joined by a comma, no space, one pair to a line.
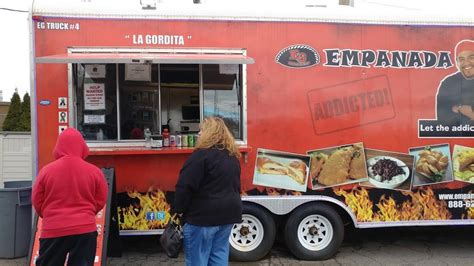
15,221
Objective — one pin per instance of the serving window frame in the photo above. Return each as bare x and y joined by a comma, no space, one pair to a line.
199,56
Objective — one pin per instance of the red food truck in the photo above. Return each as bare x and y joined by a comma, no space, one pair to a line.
343,119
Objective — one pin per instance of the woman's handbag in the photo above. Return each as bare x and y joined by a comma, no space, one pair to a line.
172,238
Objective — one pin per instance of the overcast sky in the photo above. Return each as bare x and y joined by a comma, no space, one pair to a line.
14,49
14,31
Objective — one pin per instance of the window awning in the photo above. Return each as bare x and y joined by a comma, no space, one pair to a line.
140,58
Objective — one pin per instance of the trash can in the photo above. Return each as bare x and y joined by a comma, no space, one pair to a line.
15,224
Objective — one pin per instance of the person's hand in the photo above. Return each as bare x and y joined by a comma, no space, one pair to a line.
467,111
455,108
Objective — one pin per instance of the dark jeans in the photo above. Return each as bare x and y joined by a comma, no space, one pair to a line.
81,249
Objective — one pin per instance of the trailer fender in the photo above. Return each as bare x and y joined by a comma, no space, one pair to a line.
282,205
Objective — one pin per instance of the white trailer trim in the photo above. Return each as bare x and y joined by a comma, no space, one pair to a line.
141,232
282,205
152,56
414,223
250,11
33,100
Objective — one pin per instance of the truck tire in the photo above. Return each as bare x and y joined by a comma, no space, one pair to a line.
314,232
252,239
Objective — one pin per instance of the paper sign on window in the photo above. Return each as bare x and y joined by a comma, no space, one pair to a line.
95,71
228,69
138,72
94,96
94,119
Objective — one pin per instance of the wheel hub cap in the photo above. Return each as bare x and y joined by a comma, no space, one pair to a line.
313,230
244,230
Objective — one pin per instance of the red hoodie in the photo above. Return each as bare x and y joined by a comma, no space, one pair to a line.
69,192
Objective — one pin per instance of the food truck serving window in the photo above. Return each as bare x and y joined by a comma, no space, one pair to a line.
117,100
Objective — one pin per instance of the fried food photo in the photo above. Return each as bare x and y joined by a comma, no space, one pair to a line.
466,160
358,168
338,166
432,164
463,164
296,169
317,162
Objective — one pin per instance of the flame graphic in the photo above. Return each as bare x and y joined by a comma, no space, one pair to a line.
425,206
422,205
134,217
358,201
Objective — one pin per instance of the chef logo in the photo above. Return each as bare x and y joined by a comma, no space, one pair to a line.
298,56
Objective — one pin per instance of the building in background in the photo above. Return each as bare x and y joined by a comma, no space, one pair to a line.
3,111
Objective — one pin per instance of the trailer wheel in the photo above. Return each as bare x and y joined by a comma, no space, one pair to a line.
314,232
252,239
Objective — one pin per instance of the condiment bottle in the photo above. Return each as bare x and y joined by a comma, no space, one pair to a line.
166,138
157,141
184,140
178,139
190,141
195,138
172,140
147,134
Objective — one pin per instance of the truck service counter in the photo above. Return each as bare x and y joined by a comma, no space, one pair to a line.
96,151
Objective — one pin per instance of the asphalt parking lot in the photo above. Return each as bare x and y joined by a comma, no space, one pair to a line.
393,246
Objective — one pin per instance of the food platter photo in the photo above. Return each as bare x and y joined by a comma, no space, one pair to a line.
463,163
336,166
281,170
389,170
432,164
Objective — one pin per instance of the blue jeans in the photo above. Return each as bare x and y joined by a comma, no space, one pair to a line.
206,245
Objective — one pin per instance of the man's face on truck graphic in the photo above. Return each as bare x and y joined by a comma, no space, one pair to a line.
465,61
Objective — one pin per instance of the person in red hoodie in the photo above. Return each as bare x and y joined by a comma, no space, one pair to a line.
67,195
